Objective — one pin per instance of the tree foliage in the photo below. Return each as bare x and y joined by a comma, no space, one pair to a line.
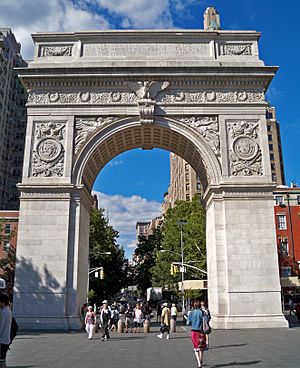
144,257
194,243
7,263
103,239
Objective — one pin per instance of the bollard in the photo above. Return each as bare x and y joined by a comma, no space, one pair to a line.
173,325
120,326
146,326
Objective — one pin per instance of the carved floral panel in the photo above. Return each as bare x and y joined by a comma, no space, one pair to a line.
48,153
245,157
59,50
236,49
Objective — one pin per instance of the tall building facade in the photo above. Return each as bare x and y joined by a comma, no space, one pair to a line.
184,182
275,147
12,120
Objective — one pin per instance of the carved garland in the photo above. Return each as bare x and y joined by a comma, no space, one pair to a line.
245,156
123,97
48,153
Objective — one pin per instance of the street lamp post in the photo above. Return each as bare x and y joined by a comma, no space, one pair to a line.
181,223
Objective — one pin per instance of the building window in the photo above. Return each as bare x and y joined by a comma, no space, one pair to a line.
286,271
283,247
270,137
272,156
273,166
271,147
269,128
281,222
279,200
7,229
6,246
198,186
274,177
298,199
187,197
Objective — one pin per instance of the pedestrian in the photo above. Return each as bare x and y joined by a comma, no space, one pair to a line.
291,305
195,319
105,317
207,318
147,311
128,318
137,319
83,311
298,311
114,318
174,312
90,321
158,311
5,326
165,321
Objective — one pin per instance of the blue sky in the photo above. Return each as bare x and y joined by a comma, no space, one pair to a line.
138,179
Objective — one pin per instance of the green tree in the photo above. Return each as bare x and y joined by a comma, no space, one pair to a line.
103,240
194,243
7,263
144,256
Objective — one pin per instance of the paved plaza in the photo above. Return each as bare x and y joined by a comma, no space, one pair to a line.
229,348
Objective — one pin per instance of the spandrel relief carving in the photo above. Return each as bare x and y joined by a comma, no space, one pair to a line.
48,152
86,127
245,158
208,127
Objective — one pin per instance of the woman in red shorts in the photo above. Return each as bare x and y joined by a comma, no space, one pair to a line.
198,337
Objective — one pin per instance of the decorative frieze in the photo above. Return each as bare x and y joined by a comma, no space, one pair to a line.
48,151
208,127
61,50
86,127
129,98
245,158
236,49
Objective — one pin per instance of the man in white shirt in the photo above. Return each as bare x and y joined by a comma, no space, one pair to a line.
5,325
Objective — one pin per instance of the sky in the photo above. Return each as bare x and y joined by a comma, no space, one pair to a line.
132,185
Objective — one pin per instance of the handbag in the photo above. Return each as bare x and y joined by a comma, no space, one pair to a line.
205,326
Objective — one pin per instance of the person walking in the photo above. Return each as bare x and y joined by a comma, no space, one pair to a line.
114,318
158,313
174,312
90,321
207,318
198,337
137,320
297,310
291,305
128,318
105,317
165,321
5,326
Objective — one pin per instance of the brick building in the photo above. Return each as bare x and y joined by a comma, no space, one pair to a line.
287,219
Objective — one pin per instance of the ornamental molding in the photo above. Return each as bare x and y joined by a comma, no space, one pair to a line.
236,49
48,152
44,195
173,96
245,157
86,127
59,50
208,128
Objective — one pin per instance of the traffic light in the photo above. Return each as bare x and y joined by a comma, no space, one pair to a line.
101,273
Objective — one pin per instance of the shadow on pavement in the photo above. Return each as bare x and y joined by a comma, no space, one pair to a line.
226,346
128,338
235,363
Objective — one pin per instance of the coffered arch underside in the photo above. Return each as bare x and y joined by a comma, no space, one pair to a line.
128,133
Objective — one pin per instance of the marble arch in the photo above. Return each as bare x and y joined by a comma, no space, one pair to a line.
92,95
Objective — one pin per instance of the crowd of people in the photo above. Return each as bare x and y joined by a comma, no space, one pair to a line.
107,317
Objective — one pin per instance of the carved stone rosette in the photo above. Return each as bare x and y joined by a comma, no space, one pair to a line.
208,127
48,152
245,158
86,127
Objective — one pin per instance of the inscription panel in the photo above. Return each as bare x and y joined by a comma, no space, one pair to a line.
152,50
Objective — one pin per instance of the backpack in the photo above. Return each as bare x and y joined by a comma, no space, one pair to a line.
13,329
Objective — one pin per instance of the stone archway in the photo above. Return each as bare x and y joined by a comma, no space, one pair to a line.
93,95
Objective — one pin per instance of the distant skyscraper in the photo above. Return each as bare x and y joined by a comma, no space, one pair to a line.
12,120
275,147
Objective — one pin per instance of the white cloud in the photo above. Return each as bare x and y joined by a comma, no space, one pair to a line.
124,212
25,17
